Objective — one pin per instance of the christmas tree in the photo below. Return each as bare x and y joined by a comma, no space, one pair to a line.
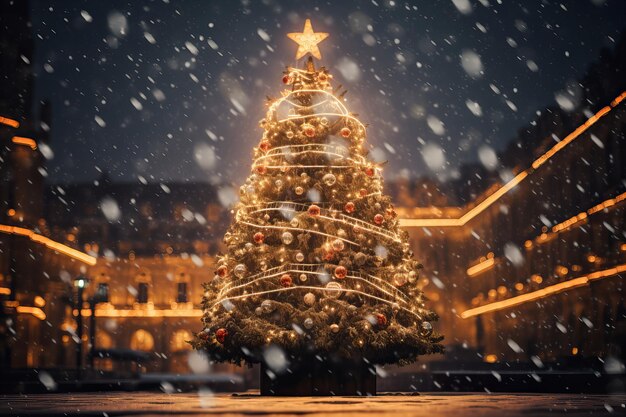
316,262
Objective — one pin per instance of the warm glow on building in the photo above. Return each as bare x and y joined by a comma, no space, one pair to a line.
56,246
19,140
544,292
490,358
483,266
153,312
492,198
9,122
35,311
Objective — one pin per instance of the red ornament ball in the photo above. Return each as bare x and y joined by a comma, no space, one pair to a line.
258,237
345,132
264,146
287,79
329,255
286,281
369,171
261,169
203,335
349,207
341,272
362,192
379,219
220,335
309,131
222,271
381,319
314,210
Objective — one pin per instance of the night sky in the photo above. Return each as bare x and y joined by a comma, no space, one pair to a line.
163,91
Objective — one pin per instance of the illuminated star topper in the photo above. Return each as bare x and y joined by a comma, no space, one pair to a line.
307,41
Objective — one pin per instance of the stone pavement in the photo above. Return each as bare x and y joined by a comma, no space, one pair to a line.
207,404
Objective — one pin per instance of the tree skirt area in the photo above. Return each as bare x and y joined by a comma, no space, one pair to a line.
205,403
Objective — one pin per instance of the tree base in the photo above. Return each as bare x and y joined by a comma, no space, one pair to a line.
312,377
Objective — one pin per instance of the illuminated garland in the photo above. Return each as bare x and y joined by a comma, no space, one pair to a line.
340,217
322,289
312,269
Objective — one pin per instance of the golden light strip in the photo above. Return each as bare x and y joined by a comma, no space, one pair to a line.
299,230
113,312
5,291
344,110
227,290
308,151
350,221
289,118
35,311
544,292
481,267
9,122
479,208
323,289
19,140
49,243
583,215
308,268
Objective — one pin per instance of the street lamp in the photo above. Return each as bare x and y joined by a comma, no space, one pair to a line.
80,282
100,296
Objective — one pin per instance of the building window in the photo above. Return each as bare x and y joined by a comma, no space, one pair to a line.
181,293
102,292
179,341
142,292
142,340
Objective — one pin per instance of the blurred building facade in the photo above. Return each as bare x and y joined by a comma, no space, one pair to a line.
533,266
155,245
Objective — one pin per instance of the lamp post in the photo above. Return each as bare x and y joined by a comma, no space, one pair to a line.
81,282
101,296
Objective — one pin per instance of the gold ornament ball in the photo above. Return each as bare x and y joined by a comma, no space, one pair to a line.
240,270
399,279
287,238
309,299
299,256
329,179
338,245
334,328
267,306
333,289
299,190
303,277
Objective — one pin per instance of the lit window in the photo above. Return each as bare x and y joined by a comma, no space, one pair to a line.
179,341
142,340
